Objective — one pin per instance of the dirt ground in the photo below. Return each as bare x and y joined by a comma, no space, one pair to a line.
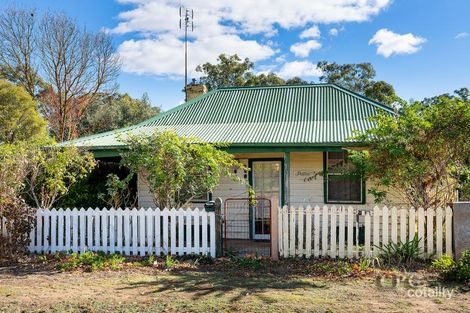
147,289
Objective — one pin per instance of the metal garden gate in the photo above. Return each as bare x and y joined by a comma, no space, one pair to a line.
247,226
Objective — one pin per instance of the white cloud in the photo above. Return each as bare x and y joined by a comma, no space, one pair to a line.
302,49
252,16
222,26
164,56
312,32
281,58
299,68
390,43
265,69
333,32
462,35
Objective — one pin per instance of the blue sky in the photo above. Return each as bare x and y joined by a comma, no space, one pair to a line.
421,47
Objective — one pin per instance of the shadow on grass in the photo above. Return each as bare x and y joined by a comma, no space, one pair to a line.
218,284
20,270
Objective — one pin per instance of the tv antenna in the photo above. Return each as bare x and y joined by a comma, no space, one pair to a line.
186,22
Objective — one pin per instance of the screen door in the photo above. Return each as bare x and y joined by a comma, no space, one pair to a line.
266,184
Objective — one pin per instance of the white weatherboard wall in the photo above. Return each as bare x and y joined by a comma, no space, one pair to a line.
334,230
302,189
144,196
305,188
129,232
306,183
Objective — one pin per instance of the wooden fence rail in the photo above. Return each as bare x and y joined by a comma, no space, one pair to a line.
126,231
340,231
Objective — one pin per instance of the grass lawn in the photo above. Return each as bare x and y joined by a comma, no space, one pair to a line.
226,286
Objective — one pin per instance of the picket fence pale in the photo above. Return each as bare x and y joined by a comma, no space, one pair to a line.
125,231
345,232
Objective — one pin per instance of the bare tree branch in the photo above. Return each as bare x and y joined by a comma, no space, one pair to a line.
17,48
78,65
75,64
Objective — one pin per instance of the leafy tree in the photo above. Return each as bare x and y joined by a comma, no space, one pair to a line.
462,93
177,169
232,71
15,159
464,192
355,77
420,154
92,190
29,171
269,79
19,219
18,215
115,111
118,192
382,92
13,169
296,81
52,171
19,119
358,78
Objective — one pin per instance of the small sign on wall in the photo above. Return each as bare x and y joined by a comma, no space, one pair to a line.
307,175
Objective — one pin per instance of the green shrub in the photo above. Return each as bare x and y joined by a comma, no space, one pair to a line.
369,262
332,267
452,270
246,261
445,265
150,261
197,259
204,259
91,261
401,253
170,262
19,221
463,266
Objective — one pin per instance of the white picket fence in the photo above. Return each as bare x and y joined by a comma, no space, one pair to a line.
334,231
129,231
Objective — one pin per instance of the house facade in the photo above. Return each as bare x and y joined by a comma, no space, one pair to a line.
289,136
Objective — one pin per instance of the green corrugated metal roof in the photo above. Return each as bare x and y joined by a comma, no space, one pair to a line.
318,114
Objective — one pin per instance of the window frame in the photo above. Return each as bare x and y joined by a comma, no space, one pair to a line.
326,175
203,200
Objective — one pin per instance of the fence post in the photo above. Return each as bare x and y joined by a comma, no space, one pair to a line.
274,233
218,227
461,231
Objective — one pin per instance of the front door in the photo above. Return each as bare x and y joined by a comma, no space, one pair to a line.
266,180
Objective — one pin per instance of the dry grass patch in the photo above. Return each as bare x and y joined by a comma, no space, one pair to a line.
224,286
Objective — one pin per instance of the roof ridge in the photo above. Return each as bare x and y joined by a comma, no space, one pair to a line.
202,96
274,86
365,98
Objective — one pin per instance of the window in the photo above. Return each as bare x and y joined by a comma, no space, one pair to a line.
203,198
339,187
